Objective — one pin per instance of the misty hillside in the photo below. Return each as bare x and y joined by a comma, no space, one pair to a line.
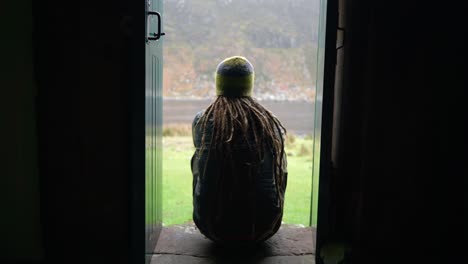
278,36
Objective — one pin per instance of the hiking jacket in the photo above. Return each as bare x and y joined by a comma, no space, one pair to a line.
227,207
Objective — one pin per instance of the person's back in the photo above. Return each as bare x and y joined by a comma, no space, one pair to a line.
239,165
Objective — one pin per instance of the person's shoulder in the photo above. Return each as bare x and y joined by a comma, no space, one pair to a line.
199,114
197,117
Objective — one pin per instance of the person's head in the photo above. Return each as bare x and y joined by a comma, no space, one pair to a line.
237,117
234,77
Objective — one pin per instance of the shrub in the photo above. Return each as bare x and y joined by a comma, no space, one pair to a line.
304,151
174,130
290,139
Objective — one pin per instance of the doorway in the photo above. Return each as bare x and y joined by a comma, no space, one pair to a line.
289,65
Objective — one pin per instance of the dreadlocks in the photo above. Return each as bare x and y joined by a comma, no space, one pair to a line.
237,119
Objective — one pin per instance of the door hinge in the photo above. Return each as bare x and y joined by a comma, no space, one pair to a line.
340,35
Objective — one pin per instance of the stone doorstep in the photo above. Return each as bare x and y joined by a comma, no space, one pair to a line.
186,240
178,259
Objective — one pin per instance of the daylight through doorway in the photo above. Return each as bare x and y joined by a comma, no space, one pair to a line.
280,38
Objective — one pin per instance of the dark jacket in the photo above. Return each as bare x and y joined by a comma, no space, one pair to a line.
235,209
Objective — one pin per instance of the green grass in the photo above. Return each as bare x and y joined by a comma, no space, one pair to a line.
177,180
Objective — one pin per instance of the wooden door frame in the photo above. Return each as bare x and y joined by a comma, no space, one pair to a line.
325,213
137,129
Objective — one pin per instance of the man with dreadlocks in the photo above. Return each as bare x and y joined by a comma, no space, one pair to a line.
239,166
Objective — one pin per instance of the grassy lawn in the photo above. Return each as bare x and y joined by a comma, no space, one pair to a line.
177,180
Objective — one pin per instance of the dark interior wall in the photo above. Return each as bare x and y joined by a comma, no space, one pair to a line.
20,234
401,166
82,66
